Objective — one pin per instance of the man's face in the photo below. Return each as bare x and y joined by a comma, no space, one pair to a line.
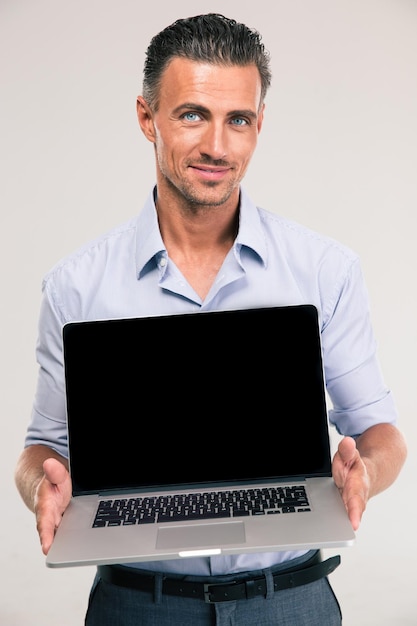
205,129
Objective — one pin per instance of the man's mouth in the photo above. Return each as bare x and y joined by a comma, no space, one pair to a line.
210,172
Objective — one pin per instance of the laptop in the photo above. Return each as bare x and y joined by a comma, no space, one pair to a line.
197,434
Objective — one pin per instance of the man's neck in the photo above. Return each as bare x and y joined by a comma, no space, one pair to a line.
198,239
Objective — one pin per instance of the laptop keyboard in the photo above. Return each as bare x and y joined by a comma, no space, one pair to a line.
205,505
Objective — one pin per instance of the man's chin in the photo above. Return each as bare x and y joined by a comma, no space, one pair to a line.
203,194
211,195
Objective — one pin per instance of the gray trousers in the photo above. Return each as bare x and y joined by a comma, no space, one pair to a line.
314,604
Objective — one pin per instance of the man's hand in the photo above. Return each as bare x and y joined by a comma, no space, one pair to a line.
44,483
351,477
51,498
366,466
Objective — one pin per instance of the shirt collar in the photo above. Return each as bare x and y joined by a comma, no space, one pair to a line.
251,231
150,246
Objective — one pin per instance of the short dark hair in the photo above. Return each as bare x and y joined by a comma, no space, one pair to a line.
210,38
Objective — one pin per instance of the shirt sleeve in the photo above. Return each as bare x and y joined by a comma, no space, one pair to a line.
354,381
48,420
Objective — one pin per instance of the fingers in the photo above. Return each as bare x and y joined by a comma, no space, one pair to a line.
355,507
351,478
52,498
47,517
46,535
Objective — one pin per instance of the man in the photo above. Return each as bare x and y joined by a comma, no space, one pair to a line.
201,244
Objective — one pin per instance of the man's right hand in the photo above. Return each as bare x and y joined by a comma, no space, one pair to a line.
51,498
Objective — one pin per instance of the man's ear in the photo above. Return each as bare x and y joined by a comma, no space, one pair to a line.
145,118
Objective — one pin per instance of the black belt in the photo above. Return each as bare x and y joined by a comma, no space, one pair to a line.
311,570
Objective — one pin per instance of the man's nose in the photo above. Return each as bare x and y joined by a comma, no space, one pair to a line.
213,141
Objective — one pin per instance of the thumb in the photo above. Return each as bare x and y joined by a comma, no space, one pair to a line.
54,471
347,450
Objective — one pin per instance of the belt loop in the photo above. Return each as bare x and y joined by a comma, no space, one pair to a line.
250,589
158,588
269,579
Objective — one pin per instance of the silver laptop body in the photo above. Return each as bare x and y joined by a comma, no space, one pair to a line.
218,403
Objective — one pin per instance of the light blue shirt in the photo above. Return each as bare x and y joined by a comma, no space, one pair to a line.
274,261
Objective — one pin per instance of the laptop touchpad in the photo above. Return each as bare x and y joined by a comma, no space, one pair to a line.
200,535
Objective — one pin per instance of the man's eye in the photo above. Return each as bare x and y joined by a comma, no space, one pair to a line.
239,121
191,117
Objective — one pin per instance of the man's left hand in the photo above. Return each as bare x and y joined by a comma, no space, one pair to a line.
351,477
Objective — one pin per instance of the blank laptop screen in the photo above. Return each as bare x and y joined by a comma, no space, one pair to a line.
209,397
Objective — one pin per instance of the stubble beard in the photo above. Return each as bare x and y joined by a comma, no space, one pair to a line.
193,198
211,194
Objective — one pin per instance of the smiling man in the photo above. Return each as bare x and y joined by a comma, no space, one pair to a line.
204,137
201,244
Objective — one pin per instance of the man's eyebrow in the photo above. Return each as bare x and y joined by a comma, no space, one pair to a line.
187,106
192,106
243,113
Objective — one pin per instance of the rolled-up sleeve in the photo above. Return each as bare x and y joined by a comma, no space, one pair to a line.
48,420
354,381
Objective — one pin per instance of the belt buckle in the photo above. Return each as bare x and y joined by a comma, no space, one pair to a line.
207,593
249,590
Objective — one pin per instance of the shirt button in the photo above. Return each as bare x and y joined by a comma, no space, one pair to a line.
162,262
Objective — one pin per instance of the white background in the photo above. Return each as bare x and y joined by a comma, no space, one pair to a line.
338,152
